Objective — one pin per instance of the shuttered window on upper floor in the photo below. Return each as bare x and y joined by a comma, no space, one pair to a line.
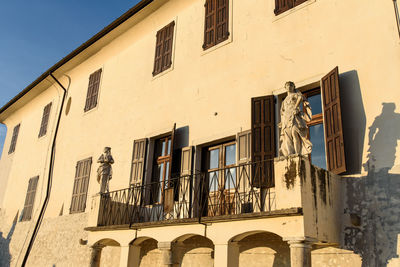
284,5
216,22
81,184
93,90
14,139
163,54
45,120
30,199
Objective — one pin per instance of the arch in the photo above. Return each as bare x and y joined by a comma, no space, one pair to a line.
194,250
137,241
107,242
261,248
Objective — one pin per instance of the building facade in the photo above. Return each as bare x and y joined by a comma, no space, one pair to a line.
187,94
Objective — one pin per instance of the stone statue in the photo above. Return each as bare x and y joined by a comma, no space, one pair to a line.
295,113
104,172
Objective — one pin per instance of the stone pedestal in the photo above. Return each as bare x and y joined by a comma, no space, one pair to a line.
300,253
166,249
95,255
226,255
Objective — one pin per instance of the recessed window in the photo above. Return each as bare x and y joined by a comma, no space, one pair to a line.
14,138
93,90
163,54
30,199
81,184
284,5
45,120
216,22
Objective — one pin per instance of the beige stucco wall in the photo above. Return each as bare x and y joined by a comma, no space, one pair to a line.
262,53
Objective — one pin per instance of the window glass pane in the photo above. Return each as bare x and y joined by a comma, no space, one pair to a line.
318,149
315,103
167,171
160,172
214,158
230,155
213,181
230,178
163,148
169,147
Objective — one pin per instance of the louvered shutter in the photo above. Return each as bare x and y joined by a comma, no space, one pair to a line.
333,122
167,46
158,53
186,161
263,141
282,5
209,24
221,20
45,120
14,138
30,198
81,183
93,90
138,160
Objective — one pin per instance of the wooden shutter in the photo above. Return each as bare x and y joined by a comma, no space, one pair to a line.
170,187
163,54
81,183
284,5
45,120
186,161
14,138
209,24
336,162
263,141
138,160
244,147
93,90
30,199
222,21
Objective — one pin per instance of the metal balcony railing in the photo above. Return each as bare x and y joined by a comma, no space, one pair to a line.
228,191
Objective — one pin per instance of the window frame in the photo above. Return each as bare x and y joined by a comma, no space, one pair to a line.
75,206
161,39
92,99
45,120
217,42
14,138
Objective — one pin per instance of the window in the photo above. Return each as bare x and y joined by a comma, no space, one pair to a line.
316,128
14,139
216,22
284,5
161,168
93,90
81,183
163,54
138,160
45,120
30,199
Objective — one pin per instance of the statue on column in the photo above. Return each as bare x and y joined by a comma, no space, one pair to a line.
295,113
104,172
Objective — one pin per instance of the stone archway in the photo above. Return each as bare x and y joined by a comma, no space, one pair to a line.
262,249
105,253
193,251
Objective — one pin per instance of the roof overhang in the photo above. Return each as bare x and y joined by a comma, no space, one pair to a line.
90,47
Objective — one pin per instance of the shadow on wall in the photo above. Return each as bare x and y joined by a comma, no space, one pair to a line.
5,256
353,121
373,201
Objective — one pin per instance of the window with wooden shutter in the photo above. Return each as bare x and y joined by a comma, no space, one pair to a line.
81,183
14,138
216,24
163,53
284,5
93,90
45,120
186,161
138,160
30,199
333,122
263,141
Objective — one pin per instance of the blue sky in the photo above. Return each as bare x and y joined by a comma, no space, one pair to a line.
34,35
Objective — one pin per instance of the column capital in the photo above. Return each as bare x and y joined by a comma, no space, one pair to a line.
164,245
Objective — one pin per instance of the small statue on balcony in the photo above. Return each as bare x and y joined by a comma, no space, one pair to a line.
104,172
295,113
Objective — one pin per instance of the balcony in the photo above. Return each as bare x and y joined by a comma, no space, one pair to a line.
227,194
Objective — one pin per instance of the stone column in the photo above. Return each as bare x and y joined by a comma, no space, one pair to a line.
300,253
95,255
166,249
178,253
226,255
130,256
